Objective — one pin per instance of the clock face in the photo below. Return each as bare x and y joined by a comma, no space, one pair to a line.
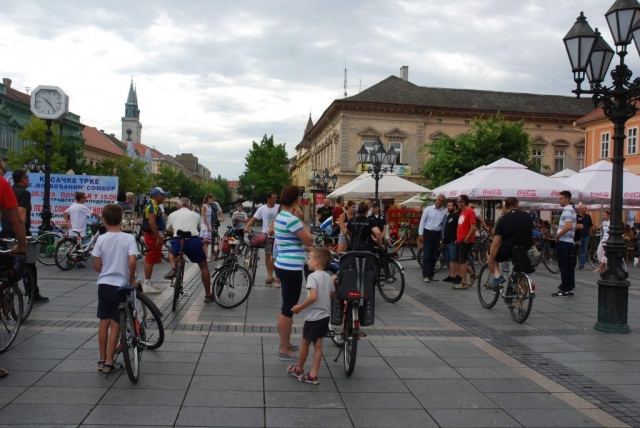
48,101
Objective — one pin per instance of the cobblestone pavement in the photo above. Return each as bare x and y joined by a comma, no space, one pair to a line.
435,358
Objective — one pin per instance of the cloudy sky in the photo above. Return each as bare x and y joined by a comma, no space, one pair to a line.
213,76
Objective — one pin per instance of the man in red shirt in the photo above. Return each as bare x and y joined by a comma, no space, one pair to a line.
464,240
338,210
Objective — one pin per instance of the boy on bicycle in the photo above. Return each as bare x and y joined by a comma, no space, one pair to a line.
77,215
115,261
316,320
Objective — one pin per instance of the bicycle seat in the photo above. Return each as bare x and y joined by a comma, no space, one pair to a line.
124,291
183,234
357,275
126,287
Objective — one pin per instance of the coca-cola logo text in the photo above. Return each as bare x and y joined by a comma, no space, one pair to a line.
453,193
555,193
492,192
632,195
527,193
599,194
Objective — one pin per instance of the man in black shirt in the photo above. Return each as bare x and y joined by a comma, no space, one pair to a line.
449,241
585,234
20,184
379,219
514,228
325,211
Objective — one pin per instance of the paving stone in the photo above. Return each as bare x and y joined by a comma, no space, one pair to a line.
75,380
154,382
226,383
229,370
368,400
28,364
473,418
389,418
220,417
488,373
305,400
308,418
9,393
218,358
291,384
232,348
61,395
370,385
552,418
30,414
427,373
511,385
224,399
17,378
144,397
133,415
374,372
527,400
181,347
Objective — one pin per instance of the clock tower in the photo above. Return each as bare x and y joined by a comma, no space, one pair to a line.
131,126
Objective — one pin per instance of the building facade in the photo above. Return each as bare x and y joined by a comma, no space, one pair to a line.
407,117
197,172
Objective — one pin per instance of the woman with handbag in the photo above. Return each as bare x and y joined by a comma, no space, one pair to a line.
291,237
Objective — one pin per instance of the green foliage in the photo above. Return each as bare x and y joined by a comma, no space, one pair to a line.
166,178
224,197
266,166
132,173
35,131
487,141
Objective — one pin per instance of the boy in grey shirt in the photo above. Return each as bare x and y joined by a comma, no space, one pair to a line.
316,320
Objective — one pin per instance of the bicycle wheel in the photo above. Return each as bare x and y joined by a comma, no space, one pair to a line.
28,290
232,286
483,253
522,300
337,338
390,280
129,343
486,295
550,260
215,246
48,242
10,315
177,284
166,249
64,256
150,321
253,263
350,340
419,257
440,261
592,255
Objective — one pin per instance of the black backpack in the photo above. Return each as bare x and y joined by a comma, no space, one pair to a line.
358,242
215,222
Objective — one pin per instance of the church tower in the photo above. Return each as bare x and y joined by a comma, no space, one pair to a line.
131,126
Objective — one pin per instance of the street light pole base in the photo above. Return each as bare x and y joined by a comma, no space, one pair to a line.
612,308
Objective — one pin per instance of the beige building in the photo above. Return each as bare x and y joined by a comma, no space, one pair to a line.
407,117
198,172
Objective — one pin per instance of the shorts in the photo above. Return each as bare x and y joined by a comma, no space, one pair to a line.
205,235
108,302
504,254
342,239
192,248
314,330
154,255
463,250
450,252
268,245
290,289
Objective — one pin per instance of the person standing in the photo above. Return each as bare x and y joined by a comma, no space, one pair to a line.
23,196
430,233
338,210
565,246
267,214
449,242
78,214
585,235
465,236
602,257
325,211
205,224
153,225
239,219
380,221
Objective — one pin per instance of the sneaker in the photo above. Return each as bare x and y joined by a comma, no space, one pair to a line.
425,279
40,299
498,281
287,357
448,279
582,268
460,286
170,275
561,294
472,279
139,256
185,292
432,279
150,289
457,280
80,266
570,292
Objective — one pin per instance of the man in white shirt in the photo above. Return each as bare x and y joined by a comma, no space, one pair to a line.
430,232
188,221
267,213
78,214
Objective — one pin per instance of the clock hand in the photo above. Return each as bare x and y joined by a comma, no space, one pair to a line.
50,105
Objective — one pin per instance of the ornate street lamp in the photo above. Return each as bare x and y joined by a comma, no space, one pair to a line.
253,203
376,159
33,165
322,182
590,55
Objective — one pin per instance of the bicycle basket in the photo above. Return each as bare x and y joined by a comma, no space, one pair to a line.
225,246
534,256
259,240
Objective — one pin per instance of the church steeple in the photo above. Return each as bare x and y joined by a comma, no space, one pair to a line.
131,106
309,126
131,126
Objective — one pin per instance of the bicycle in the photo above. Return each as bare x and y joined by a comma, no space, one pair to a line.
231,282
28,279
519,291
251,255
48,243
178,278
131,342
72,250
549,255
11,303
406,240
481,247
390,276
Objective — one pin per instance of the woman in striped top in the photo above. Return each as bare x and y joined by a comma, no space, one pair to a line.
291,237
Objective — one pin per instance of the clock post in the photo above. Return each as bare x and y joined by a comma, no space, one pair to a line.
48,103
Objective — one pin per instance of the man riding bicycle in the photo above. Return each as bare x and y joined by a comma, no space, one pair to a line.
188,221
515,228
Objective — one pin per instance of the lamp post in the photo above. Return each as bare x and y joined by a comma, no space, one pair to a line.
590,55
324,179
46,203
253,203
376,159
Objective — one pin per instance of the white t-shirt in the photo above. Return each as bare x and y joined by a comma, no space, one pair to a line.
79,214
267,215
184,219
321,308
114,249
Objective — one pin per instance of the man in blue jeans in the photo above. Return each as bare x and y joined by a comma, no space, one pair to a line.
430,233
449,242
585,235
565,246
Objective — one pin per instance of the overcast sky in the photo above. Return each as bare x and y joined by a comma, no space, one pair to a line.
213,76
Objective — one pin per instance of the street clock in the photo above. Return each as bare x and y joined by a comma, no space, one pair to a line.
49,102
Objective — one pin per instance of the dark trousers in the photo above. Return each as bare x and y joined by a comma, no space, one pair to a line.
566,252
430,252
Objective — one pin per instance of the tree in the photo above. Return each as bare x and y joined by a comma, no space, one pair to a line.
167,179
225,195
487,141
132,173
35,131
266,166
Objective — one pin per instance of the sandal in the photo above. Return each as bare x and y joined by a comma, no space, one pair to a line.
112,367
100,365
293,372
277,284
208,298
472,279
3,373
461,286
309,379
269,281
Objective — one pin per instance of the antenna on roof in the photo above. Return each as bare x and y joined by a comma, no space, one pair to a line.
27,89
345,77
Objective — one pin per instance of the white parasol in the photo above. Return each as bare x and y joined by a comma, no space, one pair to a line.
389,186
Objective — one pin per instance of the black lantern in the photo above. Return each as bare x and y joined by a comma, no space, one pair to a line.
377,159
363,155
33,166
600,60
579,42
621,17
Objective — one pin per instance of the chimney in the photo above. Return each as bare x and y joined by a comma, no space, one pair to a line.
113,135
404,73
6,82
102,131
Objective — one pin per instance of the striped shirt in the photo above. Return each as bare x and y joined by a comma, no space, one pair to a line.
291,254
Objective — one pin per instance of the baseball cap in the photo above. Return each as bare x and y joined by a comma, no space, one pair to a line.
375,204
158,191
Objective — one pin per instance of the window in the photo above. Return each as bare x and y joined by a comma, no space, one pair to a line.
467,122
3,137
560,127
397,146
537,157
558,161
604,145
12,136
632,141
439,120
538,126
368,144
580,158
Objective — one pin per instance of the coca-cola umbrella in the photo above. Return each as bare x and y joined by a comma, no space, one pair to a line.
502,179
594,184
390,186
